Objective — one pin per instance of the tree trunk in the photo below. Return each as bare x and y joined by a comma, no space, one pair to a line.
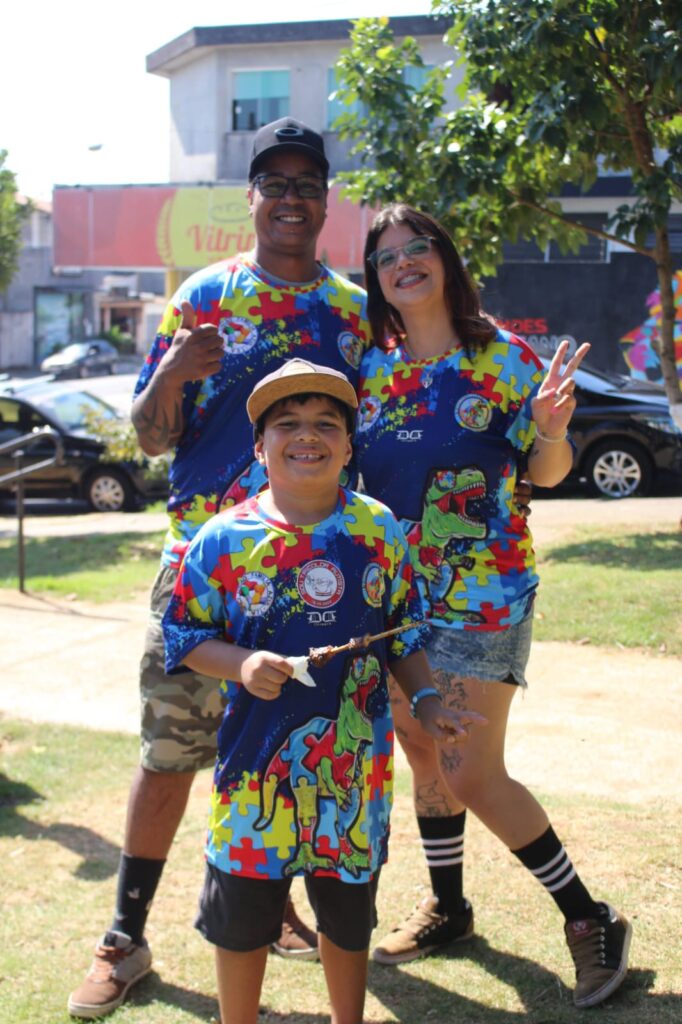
664,270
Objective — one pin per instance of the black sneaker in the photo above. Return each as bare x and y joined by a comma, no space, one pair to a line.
424,930
599,947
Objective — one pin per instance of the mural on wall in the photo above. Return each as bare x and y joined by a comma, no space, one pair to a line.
641,345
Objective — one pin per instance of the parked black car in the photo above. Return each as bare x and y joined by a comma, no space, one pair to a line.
82,359
108,486
624,434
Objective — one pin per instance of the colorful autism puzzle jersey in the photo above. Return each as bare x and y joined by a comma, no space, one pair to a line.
303,783
263,322
438,440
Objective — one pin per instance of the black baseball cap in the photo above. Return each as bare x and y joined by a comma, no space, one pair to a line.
287,133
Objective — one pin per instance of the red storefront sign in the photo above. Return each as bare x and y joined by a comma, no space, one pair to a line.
180,227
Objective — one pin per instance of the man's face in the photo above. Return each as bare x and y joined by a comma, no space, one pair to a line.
290,226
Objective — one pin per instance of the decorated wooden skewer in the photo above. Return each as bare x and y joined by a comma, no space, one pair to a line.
319,656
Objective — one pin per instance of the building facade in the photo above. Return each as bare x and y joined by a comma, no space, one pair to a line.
227,81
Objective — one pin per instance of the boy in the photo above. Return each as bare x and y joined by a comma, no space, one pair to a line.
302,781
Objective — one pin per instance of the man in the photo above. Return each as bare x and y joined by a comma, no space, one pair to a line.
227,327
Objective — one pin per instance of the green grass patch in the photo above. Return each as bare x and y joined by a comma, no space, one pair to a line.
93,567
63,793
612,586
605,586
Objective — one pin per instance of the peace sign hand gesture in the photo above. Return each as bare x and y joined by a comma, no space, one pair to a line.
554,403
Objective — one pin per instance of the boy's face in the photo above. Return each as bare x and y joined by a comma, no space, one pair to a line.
305,446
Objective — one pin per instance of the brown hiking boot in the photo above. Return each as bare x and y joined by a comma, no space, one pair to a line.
118,965
599,947
297,940
423,931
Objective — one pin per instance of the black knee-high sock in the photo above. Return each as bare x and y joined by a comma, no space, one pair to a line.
443,844
138,879
546,858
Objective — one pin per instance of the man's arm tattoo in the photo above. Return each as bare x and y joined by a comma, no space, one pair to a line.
153,422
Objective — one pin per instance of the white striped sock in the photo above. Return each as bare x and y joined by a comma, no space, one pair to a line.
556,873
442,852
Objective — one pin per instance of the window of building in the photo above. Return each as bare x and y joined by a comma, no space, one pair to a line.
674,234
334,106
258,98
594,249
414,77
523,251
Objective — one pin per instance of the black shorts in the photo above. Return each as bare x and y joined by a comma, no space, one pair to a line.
242,914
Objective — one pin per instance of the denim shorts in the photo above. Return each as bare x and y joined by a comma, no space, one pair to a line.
493,657
242,914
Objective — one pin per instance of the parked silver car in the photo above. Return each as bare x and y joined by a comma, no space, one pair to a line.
82,359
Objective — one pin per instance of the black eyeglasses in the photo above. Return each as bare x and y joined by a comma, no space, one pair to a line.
275,186
382,259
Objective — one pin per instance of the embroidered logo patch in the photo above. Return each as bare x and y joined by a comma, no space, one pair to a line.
368,411
373,584
239,335
350,348
255,594
473,412
320,583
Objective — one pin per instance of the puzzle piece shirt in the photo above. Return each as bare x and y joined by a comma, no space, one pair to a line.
263,321
439,441
302,783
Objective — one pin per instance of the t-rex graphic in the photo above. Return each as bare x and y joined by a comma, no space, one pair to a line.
322,760
445,516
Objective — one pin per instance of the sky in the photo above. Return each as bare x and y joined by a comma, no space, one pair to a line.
78,107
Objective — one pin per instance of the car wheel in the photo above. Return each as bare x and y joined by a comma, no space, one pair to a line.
108,490
618,469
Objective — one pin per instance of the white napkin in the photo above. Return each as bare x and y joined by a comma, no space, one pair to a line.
300,671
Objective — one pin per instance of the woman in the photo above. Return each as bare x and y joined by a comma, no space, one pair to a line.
451,410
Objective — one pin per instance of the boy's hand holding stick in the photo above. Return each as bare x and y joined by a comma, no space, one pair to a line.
319,656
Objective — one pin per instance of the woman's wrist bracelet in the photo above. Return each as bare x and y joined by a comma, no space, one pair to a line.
551,440
425,691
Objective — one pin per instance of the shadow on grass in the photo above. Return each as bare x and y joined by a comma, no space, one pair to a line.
544,996
99,857
154,990
82,553
644,552
545,999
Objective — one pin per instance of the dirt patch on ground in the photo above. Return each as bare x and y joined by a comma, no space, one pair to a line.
594,720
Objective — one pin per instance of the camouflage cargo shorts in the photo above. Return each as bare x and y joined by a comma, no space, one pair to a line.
181,714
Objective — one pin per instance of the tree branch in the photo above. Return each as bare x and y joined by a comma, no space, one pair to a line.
650,253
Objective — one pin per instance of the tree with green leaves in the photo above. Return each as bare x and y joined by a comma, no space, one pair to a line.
12,215
555,92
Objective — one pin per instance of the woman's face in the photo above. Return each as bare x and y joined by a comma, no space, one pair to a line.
410,283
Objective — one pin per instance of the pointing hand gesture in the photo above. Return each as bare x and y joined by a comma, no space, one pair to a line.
554,404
